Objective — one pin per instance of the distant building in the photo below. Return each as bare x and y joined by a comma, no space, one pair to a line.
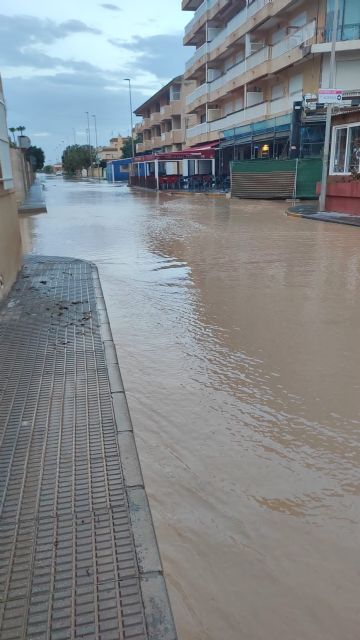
113,151
163,118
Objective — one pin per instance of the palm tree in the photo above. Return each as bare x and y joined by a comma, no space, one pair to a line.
13,129
21,129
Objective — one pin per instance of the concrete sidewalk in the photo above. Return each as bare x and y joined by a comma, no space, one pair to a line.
310,212
34,200
78,554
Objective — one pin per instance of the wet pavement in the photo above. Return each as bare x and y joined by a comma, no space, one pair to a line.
237,330
78,554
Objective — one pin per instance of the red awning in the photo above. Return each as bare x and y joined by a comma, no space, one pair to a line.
204,146
196,153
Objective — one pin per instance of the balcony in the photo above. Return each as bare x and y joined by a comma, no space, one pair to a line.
294,40
145,124
259,57
246,20
176,136
199,53
231,74
169,110
190,5
201,11
228,122
234,24
198,130
155,118
198,93
254,67
156,141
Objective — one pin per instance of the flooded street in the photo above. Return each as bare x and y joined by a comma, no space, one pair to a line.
237,332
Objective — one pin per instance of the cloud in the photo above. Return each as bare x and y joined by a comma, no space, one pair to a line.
58,103
25,30
151,54
21,35
110,7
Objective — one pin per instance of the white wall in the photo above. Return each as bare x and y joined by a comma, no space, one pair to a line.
10,242
347,70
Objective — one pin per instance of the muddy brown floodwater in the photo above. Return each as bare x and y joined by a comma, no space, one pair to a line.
238,337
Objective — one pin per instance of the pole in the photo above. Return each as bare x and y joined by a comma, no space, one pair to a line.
322,199
96,146
131,118
88,124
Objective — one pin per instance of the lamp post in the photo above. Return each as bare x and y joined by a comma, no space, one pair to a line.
131,117
332,76
89,138
96,144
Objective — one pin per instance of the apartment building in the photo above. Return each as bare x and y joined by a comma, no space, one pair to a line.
253,60
163,118
113,151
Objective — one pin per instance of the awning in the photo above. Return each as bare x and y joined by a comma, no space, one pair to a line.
204,146
192,153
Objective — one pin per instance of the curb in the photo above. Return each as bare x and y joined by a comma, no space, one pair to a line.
323,218
158,614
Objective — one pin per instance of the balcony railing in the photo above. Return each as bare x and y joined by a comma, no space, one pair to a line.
200,91
294,39
155,117
257,58
201,51
236,22
197,130
198,13
232,120
231,74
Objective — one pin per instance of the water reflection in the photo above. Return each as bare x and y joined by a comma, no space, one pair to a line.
237,331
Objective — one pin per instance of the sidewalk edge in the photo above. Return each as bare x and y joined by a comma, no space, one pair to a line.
158,613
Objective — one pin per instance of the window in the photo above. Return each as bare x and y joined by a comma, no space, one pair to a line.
349,20
345,153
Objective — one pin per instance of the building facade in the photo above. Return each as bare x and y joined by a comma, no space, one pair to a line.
10,242
254,60
164,119
113,151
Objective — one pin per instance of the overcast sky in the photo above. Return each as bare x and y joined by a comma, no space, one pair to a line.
61,58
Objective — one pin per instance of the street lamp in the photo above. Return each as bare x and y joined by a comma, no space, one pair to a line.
88,128
131,117
96,144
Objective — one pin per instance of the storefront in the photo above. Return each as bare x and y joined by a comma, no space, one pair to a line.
343,190
187,169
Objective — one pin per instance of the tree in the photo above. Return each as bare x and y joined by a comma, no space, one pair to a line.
36,156
21,129
127,148
77,157
13,129
49,169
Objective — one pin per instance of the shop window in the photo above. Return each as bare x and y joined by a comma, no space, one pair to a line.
345,156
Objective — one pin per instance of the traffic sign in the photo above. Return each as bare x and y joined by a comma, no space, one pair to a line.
330,96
